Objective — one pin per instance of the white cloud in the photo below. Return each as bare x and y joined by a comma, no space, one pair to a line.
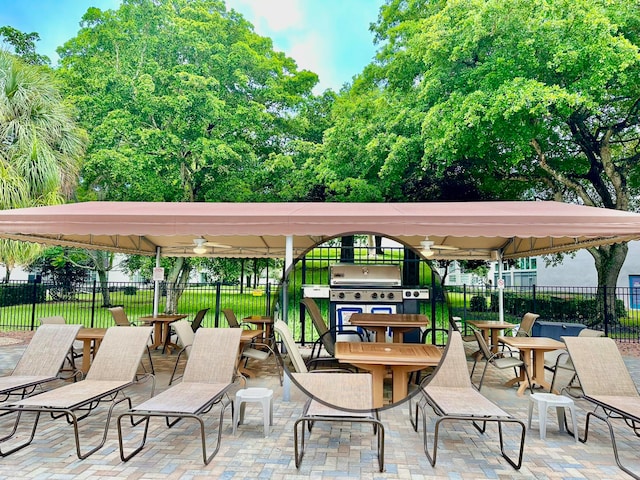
274,16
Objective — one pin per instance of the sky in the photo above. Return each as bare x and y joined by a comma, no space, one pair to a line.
328,37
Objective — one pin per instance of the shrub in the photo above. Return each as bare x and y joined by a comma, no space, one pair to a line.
478,304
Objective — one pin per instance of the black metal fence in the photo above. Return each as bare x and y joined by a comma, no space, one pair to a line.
610,310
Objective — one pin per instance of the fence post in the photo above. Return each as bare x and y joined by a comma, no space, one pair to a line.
267,294
34,300
218,296
93,303
464,303
533,297
605,310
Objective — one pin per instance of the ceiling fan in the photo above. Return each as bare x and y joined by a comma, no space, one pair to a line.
201,245
429,247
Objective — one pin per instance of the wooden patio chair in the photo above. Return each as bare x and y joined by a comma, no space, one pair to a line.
336,397
452,397
113,370
40,362
201,388
607,384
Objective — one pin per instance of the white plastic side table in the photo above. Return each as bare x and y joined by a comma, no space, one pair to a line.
546,400
261,395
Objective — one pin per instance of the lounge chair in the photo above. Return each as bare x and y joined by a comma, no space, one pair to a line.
41,361
336,397
202,387
452,397
560,360
75,352
113,369
323,350
607,384
121,319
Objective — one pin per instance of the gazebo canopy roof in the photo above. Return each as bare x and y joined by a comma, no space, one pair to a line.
471,230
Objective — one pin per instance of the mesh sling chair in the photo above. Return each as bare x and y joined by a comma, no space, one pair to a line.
325,339
113,370
40,362
75,352
186,335
262,353
607,384
452,397
121,319
499,360
201,388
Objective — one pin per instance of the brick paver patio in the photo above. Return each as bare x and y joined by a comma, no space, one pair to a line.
337,451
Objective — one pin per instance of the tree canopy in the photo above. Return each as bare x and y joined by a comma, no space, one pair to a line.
184,101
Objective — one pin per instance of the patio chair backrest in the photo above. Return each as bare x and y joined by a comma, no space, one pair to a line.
452,371
484,348
185,333
319,324
53,320
47,350
120,316
526,324
283,330
213,356
599,366
120,354
589,332
232,320
197,320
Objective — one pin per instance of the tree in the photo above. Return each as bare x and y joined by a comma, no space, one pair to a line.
539,99
40,145
24,45
65,269
185,102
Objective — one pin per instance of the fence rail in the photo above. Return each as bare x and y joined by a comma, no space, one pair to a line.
610,310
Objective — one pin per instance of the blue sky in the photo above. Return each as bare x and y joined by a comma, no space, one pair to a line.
328,37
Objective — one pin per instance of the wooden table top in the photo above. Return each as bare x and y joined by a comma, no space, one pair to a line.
496,324
388,353
388,320
248,335
163,318
258,319
538,343
91,333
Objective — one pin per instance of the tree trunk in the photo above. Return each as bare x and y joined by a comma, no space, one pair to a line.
176,282
609,260
104,287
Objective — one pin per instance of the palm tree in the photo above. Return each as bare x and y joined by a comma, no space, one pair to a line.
40,144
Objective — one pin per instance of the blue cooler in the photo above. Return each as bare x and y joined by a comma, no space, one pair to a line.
556,329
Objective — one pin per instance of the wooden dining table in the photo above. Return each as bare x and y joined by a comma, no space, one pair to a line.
532,350
377,357
398,323
91,339
161,326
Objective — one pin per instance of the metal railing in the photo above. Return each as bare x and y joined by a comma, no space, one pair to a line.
611,310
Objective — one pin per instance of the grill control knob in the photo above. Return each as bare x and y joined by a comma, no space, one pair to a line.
416,293
374,295
357,295
390,296
341,295
407,293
